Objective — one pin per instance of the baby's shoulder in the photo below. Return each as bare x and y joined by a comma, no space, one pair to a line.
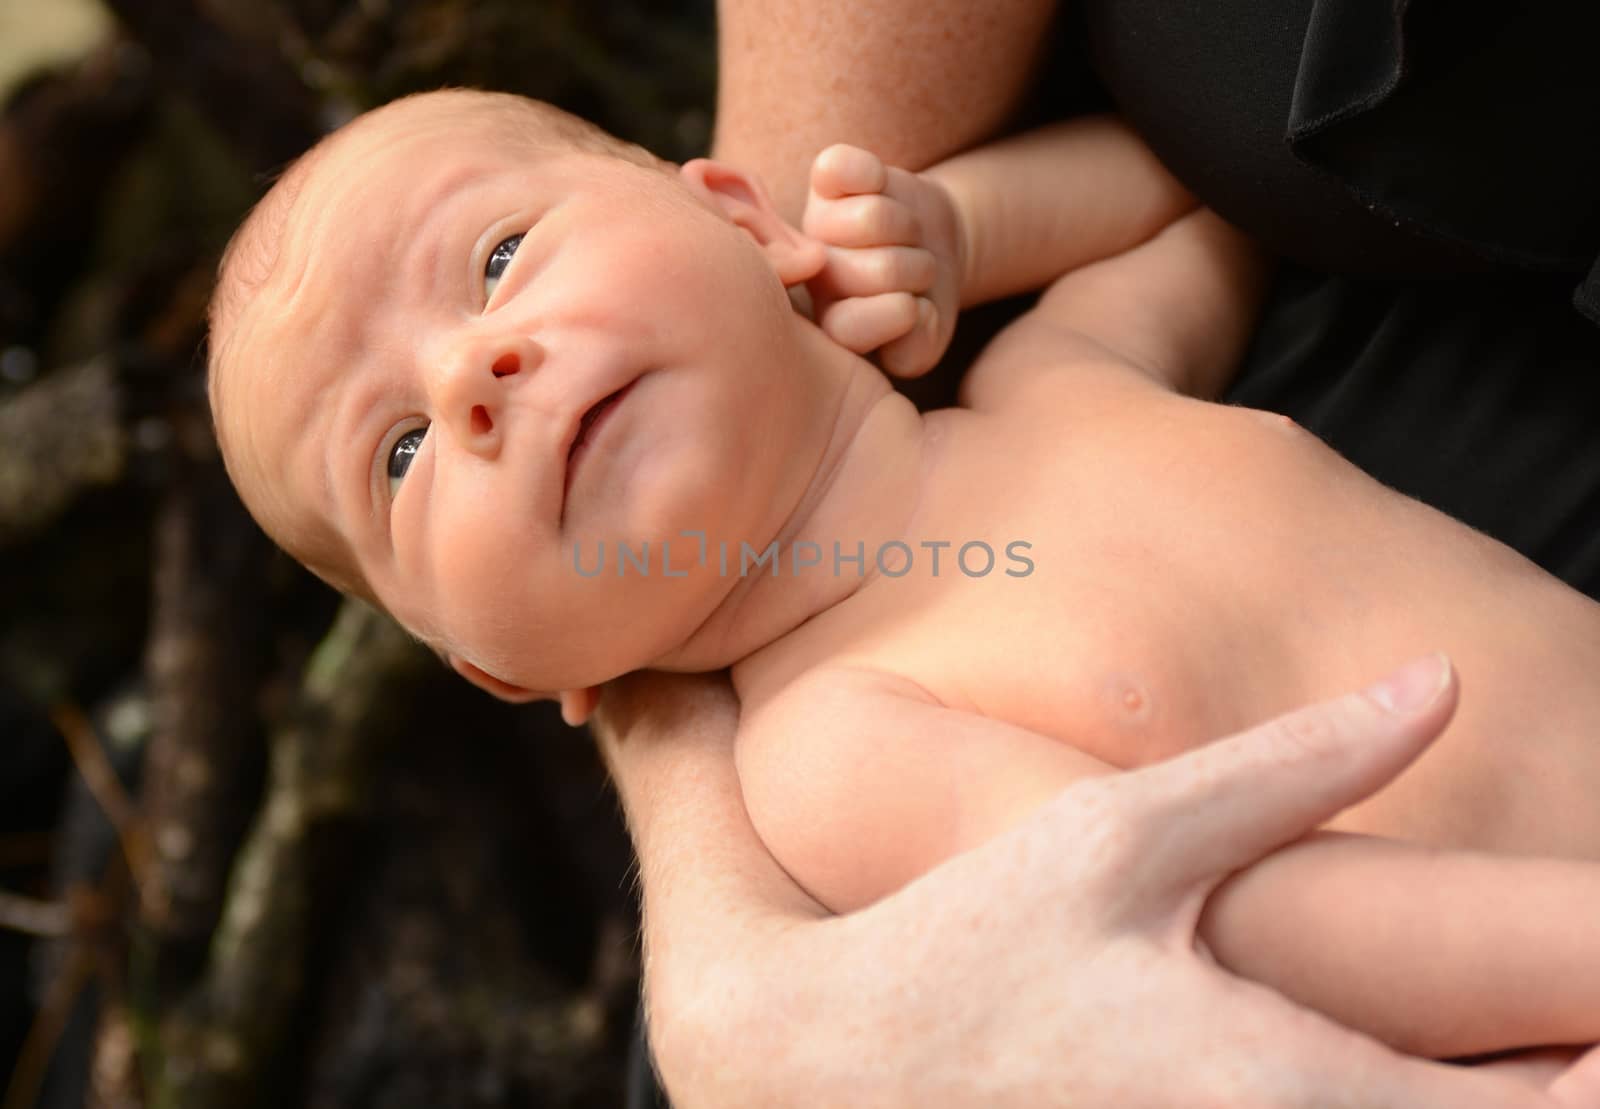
841,783
836,695
1036,362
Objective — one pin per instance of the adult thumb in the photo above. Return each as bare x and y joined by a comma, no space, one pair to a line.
1225,805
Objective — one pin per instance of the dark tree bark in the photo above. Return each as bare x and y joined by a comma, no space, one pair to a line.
355,881
246,88
38,479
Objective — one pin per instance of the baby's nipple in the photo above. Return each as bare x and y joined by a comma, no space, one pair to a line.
1128,700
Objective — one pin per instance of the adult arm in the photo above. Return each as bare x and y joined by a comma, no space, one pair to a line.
931,996
913,80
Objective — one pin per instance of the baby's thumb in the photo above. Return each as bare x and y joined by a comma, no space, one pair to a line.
1227,804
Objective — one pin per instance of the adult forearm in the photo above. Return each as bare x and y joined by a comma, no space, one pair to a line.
912,80
732,1005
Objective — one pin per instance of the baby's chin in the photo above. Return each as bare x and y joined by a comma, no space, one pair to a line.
578,669
656,622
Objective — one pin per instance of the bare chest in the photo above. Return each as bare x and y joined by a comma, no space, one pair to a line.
1135,579
1130,581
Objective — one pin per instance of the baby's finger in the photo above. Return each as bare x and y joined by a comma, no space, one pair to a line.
874,270
858,221
864,324
844,170
916,352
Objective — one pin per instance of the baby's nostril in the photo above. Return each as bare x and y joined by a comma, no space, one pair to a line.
481,423
505,365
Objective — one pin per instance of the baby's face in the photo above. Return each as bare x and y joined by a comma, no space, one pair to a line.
469,359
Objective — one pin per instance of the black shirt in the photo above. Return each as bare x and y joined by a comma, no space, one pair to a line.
1432,171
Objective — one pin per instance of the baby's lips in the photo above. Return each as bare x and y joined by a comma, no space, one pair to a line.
588,421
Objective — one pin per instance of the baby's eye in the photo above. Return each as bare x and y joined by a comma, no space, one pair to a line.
498,261
401,454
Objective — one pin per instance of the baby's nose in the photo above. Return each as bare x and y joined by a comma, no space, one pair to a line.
473,387
507,364
503,356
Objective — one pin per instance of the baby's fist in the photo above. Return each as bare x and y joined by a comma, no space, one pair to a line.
892,279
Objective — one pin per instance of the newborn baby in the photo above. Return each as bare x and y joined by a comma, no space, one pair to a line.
545,399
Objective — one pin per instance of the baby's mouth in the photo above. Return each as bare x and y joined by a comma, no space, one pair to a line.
587,425
590,417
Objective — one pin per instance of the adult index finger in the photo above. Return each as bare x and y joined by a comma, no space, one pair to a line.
1363,1074
1211,811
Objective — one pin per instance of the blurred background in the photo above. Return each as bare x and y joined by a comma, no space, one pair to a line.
256,848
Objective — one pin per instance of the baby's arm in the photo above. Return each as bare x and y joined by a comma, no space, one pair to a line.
1082,207
859,782
1438,953
908,250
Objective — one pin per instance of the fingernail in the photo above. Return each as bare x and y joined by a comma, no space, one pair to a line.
1414,686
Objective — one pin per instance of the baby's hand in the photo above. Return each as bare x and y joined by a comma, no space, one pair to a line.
892,282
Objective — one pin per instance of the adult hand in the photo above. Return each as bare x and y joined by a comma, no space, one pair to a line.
1056,964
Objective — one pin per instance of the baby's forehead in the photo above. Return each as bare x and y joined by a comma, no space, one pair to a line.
348,156
401,143
407,138
254,251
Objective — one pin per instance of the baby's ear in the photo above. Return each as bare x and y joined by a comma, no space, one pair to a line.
577,705
487,682
795,256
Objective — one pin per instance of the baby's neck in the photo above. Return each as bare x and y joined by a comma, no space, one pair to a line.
864,492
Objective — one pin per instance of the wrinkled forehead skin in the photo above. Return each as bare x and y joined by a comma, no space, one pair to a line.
254,257
272,292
